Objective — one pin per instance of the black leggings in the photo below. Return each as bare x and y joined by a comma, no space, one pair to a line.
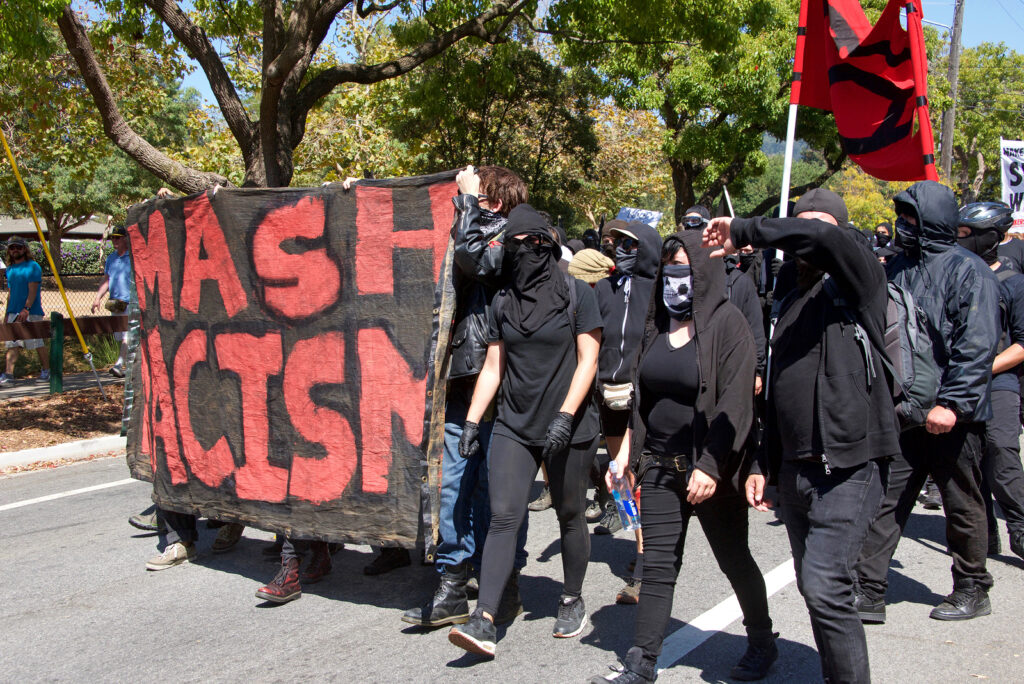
665,515
512,469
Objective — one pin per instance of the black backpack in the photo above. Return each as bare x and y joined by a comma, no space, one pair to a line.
907,356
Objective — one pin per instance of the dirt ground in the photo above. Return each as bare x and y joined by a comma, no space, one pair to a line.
58,418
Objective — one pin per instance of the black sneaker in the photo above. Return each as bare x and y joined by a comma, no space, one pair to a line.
620,675
476,636
390,558
994,546
930,497
449,605
572,617
756,662
610,523
870,612
963,604
511,604
1017,542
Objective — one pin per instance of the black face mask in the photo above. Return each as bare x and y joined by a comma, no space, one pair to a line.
984,243
908,237
677,290
608,249
732,262
881,239
807,275
746,261
625,260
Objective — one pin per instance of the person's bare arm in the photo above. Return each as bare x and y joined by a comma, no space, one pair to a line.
1008,358
103,289
488,382
587,346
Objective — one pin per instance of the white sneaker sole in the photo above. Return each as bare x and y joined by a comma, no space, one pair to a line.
468,643
157,567
570,635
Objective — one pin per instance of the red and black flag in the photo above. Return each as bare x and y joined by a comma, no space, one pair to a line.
874,81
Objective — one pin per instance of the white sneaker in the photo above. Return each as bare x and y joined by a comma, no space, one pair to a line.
4,378
44,374
175,554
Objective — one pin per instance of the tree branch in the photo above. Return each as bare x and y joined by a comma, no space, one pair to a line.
607,41
197,44
327,80
364,10
116,128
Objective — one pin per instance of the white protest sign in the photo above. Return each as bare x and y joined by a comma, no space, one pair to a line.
647,216
1011,153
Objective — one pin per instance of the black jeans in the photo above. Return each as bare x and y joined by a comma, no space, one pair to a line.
181,527
1003,477
665,516
827,517
513,468
954,462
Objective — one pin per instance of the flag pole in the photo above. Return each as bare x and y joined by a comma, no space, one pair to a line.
794,99
919,59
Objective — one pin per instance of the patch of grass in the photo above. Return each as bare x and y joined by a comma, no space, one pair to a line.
104,350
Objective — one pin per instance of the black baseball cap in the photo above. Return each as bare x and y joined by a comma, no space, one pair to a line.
825,201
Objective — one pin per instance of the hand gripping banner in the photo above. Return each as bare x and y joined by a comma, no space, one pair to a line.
288,338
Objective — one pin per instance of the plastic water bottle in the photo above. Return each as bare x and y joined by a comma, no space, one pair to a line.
624,501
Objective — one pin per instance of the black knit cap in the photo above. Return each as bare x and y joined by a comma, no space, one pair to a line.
700,209
825,201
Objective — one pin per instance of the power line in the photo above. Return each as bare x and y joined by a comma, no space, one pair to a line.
1012,18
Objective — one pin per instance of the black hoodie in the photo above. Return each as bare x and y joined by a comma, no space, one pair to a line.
821,404
623,301
724,409
957,292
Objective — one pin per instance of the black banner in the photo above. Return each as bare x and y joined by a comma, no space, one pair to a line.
286,367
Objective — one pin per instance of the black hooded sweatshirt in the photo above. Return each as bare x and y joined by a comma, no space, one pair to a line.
623,300
724,410
820,403
957,292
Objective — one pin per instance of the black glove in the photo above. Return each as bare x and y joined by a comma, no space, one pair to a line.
559,433
775,266
469,442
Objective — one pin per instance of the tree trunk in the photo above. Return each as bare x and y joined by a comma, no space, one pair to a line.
54,233
682,184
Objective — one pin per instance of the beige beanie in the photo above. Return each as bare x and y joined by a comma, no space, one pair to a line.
590,266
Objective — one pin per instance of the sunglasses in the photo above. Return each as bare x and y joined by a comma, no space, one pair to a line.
626,243
531,242
694,221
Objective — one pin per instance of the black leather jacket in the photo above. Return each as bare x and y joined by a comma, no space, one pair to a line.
479,236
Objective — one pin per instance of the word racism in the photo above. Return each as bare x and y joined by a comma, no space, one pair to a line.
286,354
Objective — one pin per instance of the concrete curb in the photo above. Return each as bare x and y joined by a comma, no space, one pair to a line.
68,451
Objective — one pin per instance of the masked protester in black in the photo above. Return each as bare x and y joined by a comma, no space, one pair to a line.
690,439
541,361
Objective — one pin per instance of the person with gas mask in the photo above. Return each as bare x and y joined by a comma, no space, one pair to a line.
959,296
544,333
829,431
623,299
982,226
689,439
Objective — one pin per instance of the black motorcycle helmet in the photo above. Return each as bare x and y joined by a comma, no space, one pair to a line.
979,216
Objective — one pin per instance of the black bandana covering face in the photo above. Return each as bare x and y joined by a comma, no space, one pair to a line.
908,237
677,290
984,243
625,260
538,291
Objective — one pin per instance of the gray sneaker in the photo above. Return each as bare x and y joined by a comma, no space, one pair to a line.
476,636
572,617
175,554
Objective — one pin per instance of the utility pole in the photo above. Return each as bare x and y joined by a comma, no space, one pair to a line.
949,116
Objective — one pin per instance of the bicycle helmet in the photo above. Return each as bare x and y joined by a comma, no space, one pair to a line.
986,216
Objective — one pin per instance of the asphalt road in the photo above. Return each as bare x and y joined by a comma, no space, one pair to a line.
76,604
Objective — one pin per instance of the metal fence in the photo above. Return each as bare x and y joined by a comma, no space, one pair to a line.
80,289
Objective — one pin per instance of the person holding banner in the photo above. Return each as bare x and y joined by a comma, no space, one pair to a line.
544,332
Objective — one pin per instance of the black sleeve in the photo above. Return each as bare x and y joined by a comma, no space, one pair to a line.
477,255
972,341
493,324
588,316
1014,288
744,296
835,250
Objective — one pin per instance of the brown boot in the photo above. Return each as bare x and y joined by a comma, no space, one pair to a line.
319,563
285,585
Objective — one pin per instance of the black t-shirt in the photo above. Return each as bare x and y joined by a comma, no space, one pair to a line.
1013,251
796,355
1011,314
669,382
539,370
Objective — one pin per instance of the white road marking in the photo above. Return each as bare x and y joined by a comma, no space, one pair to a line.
686,638
61,495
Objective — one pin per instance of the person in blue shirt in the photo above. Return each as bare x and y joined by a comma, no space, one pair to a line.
117,273
24,304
